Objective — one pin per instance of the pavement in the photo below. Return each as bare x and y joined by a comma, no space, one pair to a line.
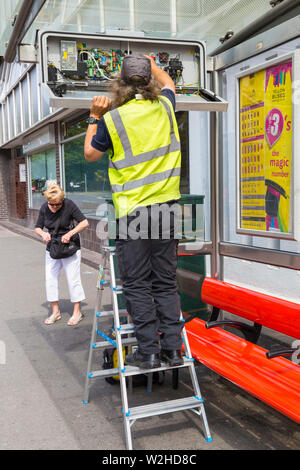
42,378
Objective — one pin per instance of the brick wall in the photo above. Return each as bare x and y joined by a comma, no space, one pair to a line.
18,197
21,193
4,184
12,184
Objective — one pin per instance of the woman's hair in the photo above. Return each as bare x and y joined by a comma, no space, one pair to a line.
54,192
121,92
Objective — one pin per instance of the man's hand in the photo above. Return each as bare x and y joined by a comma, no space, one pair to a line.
163,78
100,106
153,64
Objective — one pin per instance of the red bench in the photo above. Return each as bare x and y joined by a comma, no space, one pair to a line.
265,374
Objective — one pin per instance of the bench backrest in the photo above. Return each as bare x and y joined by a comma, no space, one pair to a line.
271,312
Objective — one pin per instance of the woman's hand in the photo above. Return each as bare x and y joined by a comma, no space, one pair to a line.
46,237
81,226
66,237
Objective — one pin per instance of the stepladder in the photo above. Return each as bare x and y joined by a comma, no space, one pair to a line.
124,337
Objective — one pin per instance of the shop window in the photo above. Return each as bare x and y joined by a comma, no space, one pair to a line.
71,129
42,170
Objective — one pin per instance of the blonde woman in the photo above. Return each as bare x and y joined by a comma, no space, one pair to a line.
57,206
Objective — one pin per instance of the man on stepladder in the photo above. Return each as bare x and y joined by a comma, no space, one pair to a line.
142,137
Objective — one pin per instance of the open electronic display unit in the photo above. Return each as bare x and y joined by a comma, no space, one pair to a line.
77,67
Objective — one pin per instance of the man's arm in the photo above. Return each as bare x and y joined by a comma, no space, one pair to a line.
100,106
163,78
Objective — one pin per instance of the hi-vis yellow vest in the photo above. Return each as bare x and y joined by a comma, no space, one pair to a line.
144,166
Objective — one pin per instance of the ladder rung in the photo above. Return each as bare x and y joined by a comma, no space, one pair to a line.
129,341
126,329
110,313
164,407
131,370
112,249
103,373
118,290
125,342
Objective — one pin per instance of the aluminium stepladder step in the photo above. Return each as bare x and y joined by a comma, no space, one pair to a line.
194,403
163,407
129,371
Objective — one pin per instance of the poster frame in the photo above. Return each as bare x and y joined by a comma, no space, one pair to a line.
294,233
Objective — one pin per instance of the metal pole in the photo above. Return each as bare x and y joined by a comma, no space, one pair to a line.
131,15
102,15
173,14
215,185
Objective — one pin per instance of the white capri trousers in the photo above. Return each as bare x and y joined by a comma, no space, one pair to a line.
71,267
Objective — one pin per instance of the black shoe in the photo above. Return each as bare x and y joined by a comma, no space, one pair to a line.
143,361
172,358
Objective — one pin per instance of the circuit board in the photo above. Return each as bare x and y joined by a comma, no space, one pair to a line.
87,63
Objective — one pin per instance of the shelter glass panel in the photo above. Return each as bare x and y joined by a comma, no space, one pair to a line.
117,14
193,19
86,183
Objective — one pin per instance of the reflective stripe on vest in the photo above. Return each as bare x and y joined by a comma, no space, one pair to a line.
131,160
155,178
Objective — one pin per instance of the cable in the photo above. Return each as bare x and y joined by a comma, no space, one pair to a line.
63,77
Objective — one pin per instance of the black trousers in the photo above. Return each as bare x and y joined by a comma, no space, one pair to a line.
148,271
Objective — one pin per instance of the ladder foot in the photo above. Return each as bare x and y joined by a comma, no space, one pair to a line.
209,439
85,402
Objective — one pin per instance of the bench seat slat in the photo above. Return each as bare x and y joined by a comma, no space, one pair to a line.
276,381
271,312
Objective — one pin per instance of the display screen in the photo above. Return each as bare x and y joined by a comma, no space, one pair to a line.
265,150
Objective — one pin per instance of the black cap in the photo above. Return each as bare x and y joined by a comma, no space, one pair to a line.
136,65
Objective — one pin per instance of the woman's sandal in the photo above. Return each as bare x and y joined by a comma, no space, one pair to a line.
73,322
53,318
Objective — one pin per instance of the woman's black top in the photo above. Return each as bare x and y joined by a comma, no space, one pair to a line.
48,219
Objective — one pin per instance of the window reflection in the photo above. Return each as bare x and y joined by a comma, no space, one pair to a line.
43,170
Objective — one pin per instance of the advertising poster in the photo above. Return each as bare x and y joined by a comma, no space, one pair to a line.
266,150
